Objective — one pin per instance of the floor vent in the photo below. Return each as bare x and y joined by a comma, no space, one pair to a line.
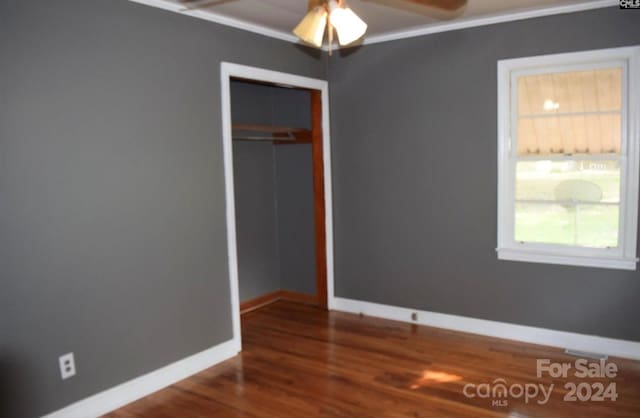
586,354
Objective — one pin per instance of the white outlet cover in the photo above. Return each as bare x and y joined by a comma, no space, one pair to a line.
67,365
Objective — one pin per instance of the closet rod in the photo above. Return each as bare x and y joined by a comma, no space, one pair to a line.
281,134
263,138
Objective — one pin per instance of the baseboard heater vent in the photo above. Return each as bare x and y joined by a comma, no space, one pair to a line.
586,354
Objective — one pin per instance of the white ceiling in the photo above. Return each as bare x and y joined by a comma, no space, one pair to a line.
387,19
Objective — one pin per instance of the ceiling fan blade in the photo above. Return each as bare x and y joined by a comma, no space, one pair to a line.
450,5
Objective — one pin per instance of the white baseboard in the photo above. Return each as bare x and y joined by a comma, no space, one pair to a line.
118,396
542,336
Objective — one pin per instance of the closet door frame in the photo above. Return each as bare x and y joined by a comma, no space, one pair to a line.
321,152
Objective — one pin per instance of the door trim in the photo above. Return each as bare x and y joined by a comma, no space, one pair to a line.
227,72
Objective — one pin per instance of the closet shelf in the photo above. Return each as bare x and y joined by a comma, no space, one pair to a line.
277,134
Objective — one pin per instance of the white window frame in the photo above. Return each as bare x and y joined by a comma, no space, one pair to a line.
621,257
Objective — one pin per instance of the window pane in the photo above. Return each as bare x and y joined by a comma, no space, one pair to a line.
594,226
570,92
576,112
544,223
597,225
586,181
570,134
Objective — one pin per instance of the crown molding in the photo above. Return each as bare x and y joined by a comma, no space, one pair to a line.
221,19
487,20
387,36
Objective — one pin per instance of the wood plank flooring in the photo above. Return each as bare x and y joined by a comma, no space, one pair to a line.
300,361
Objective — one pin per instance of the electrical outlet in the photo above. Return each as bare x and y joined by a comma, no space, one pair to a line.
414,316
67,366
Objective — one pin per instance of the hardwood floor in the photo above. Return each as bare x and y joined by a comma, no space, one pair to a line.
300,361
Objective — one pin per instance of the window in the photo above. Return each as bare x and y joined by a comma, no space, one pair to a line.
568,147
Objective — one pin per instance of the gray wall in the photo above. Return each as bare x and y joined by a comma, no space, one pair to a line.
255,194
112,224
414,158
296,228
256,220
112,216
294,178
274,194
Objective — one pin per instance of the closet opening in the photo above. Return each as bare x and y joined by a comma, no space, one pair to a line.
276,144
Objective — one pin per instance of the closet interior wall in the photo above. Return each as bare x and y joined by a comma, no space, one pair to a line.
273,193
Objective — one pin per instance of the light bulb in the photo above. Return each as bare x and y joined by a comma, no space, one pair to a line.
311,27
349,26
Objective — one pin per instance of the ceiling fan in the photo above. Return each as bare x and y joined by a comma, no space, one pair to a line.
329,15
335,14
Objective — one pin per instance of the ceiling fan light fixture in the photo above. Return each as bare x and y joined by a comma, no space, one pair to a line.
311,27
349,26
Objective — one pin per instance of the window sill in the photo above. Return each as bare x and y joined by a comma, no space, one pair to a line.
568,260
